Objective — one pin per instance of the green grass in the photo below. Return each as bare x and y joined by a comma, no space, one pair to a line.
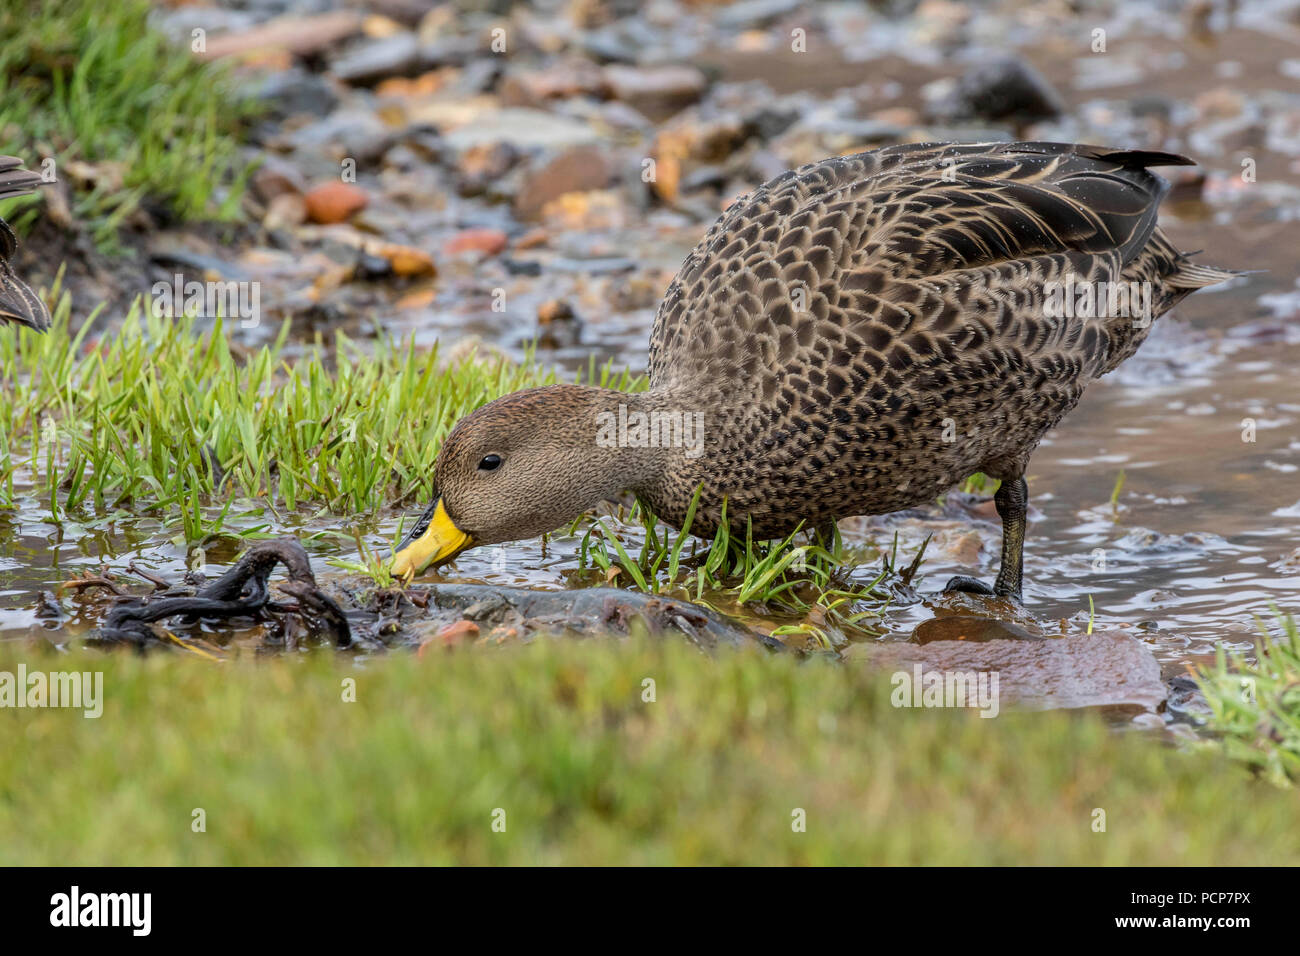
1255,707
163,417
559,737
88,81
807,583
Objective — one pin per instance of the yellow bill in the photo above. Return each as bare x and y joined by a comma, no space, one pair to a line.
435,539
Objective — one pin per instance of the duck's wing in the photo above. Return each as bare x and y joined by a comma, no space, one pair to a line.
833,264
18,303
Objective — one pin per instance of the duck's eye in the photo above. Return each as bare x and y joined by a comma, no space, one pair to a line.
490,463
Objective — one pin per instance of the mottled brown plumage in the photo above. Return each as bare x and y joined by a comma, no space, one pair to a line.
18,303
859,335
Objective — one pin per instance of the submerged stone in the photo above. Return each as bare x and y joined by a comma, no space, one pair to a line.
1108,669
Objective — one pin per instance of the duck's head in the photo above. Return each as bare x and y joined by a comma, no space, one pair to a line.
518,467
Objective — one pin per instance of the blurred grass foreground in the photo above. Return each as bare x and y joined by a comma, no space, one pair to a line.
587,752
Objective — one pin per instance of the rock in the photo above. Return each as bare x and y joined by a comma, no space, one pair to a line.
523,129
479,76
370,267
408,262
1153,105
754,13
597,266
555,310
334,202
898,117
596,210
1221,102
575,170
532,239
968,627
657,91
533,88
558,325
165,250
708,142
620,42
301,36
488,242
452,635
418,299
1105,669
704,177
375,60
1186,184
452,51
939,24
285,211
522,267
406,12
484,165
964,547
1002,89
355,133
294,91
585,612
623,117
275,177
427,142
426,84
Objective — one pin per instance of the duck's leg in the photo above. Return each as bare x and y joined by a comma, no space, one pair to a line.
1012,501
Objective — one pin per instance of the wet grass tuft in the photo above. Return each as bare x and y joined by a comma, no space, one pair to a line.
1255,706
805,583
164,417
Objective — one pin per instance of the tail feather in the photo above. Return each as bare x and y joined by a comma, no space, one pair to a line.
14,180
1193,275
18,303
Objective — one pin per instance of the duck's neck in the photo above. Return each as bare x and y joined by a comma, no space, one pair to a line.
642,436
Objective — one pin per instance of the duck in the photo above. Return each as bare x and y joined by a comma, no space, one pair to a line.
854,337
18,303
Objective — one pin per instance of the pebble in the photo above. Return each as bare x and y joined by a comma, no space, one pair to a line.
294,91
376,60
301,36
1001,89
275,177
285,211
488,242
334,202
655,91
575,170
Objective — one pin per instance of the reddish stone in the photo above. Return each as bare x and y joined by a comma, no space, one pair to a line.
334,202
489,242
